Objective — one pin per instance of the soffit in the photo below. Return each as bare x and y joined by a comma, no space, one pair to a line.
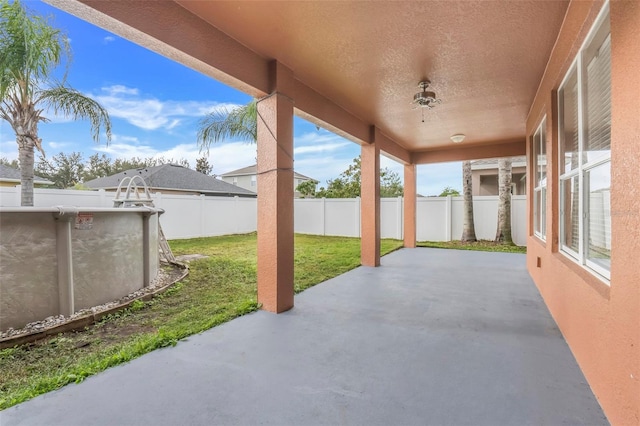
484,59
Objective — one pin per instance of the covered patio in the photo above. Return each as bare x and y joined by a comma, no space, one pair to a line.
554,80
433,337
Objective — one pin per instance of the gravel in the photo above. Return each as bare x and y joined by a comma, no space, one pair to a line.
163,279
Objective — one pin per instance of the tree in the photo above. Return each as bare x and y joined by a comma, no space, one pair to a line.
503,234
240,122
159,161
30,51
65,171
13,163
347,185
449,191
98,165
468,227
390,185
307,188
202,166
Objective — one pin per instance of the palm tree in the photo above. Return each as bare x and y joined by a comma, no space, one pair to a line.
468,227
503,234
240,122
30,51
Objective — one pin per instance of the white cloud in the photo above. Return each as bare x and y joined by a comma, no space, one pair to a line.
323,168
108,39
150,113
433,178
319,137
120,89
123,138
224,157
173,124
124,150
316,149
8,147
58,145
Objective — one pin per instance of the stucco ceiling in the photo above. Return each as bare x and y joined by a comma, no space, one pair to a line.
484,58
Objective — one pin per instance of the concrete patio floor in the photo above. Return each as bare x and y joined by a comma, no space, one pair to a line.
433,337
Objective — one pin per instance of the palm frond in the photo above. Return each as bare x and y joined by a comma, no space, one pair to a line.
29,49
234,123
74,104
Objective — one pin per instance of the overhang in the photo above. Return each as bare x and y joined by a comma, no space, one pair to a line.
357,65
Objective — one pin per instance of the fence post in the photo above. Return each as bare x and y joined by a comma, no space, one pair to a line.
236,202
324,216
448,219
358,229
102,196
202,216
399,218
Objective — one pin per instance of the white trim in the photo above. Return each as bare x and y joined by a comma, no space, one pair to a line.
538,187
578,66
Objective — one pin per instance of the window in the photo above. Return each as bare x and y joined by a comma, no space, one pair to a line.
584,104
253,180
540,181
235,180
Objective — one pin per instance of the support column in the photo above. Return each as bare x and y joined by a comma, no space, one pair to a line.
410,192
275,196
64,256
370,203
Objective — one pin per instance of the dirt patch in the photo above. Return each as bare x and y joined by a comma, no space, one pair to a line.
189,257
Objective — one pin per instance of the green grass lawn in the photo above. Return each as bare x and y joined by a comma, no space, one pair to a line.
217,290
482,245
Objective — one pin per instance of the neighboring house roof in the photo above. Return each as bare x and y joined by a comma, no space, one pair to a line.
253,170
492,163
173,177
11,174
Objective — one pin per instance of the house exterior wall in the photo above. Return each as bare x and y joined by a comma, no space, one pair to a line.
485,181
246,182
242,182
10,184
600,321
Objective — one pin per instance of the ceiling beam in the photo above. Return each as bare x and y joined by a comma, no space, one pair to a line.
391,149
201,46
170,30
318,109
510,148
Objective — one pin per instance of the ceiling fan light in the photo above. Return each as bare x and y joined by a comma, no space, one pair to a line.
457,138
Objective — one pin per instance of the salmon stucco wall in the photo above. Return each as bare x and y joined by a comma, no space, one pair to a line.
600,321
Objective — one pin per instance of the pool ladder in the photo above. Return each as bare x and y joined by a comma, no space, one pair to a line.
137,194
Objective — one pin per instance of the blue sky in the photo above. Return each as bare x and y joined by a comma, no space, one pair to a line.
155,105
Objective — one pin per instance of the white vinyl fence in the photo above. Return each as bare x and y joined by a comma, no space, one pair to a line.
189,216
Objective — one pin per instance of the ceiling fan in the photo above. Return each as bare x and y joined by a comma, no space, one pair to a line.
425,98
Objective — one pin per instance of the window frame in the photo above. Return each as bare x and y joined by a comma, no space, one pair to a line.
540,185
584,165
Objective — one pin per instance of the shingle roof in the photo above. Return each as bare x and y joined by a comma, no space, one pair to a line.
253,170
494,161
173,177
11,174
